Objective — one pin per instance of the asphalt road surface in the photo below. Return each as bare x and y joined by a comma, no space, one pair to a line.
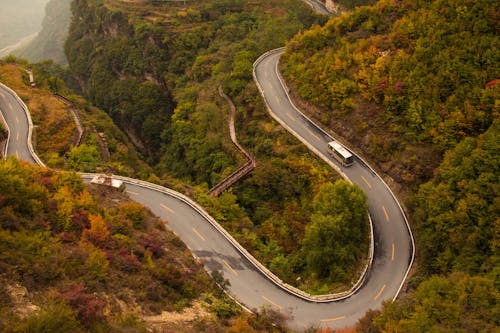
15,117
393,247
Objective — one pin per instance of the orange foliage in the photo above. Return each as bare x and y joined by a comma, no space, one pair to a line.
98,232
340,330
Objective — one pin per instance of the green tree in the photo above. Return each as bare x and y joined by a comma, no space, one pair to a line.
83,158
337,235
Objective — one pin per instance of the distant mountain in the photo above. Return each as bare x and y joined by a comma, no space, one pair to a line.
49,43
19,19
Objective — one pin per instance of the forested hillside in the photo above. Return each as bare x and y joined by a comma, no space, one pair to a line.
402,80
78,258
411,84
456,220
155,68
55,134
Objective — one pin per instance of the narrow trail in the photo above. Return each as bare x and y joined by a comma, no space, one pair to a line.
246,168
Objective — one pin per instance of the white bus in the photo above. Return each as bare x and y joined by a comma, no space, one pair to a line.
340,153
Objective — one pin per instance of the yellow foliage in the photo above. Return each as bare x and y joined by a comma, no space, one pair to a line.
96,264
65,205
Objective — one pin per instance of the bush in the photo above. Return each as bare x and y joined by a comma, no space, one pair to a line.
54,317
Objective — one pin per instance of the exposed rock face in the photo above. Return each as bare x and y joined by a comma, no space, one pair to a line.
20,299
331,6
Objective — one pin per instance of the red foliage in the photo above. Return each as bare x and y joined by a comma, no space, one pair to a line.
88,306
127,262
67,237
46,182
492,83
81,219
153,244
132,261
398,88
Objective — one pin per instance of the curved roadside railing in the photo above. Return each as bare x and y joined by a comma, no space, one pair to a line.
6,147
362,278
30,124
285,87
264,270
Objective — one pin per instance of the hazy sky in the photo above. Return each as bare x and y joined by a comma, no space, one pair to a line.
20,18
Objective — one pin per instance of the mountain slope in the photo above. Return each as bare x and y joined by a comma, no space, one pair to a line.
77,258
49,42
402,80
413,85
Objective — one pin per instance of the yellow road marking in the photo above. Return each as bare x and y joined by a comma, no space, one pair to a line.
17,154
229,266
198,234
367,183
332,319
132,192
385,213
379,293
17,136
167,208
317,137
17,119
278,100
392,257
10,105
273,303
290,116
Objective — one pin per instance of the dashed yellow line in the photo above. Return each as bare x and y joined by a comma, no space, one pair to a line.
271,302
385,213
311,132
17,154
392,256
379,293
367,183
17,119
198,234
132,192
10,105
332,319
290,117
167,208
17,136
229,267
278,100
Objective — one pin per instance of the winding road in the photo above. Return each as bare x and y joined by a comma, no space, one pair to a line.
249,282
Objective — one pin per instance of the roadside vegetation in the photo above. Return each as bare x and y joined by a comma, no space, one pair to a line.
103,148
412,84
78,258
155,69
